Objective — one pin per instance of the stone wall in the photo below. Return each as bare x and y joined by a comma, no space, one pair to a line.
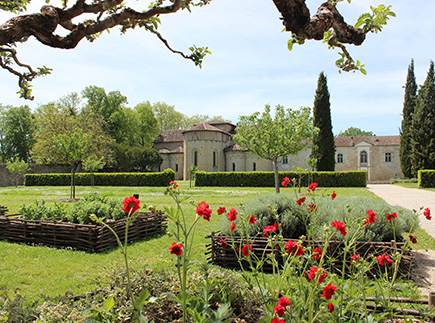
9,179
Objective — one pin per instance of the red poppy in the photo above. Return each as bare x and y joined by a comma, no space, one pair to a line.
221,210
426,213
285,182
322,276
311,274
313,186
340,227
270,228
384,260
223,243
371,217
328,291
355,257
246,249
283,302
232,226
391,217
277,320
173,184
412,238
251,219
204,211
331,308
131,205
176,249
317,253
232,215
312,207
300,201
294,249
333,196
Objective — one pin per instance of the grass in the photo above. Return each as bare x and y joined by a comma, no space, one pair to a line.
41,270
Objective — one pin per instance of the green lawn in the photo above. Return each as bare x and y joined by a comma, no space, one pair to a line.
40,270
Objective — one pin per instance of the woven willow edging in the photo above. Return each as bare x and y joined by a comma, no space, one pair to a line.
226,257
85,237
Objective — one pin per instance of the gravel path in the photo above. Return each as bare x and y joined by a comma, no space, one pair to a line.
414,199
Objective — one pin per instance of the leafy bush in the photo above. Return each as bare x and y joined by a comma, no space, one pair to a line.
40,211
426,178
290,215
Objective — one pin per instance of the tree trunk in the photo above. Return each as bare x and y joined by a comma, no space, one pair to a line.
275,170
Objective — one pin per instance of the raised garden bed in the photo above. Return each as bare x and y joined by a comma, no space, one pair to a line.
226,257
85,237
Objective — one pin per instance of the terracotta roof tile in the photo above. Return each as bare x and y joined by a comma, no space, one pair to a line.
373,140
170,136
204,126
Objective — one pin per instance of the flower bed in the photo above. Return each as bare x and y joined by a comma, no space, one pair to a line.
85,237
220,251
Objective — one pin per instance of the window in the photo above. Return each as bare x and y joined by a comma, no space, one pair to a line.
234,167
254,167
388,157
176,168
285,160
214,159
363,158
339,158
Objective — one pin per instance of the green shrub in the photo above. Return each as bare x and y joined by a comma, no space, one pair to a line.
266,179
426,178
40,211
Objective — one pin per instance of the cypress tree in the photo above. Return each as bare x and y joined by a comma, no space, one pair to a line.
423,126
323,148
408,110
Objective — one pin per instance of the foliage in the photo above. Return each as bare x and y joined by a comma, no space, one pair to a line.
105,208
40,211
92,164
409,104
17,130
266,179
102,179
323,147
142,159
423,126
273,138
17,166
355,132
147,129
426,178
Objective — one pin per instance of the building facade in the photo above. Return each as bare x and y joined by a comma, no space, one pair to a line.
209,146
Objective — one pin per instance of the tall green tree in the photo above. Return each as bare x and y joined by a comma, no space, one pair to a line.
423,126
17,127
167,117
355,132
147,125
409,104
323,148
275,137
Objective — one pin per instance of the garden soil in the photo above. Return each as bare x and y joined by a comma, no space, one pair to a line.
414,199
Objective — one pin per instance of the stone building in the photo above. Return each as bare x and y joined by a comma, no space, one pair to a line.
210,147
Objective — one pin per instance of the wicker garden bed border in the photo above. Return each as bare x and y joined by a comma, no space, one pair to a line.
226,257
84,237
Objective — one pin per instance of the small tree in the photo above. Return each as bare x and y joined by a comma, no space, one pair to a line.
355,132
17,167
273,138
93,164
192,172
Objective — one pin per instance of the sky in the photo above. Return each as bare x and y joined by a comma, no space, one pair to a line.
250,65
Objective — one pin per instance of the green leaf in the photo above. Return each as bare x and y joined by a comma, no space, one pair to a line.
109,303
142,299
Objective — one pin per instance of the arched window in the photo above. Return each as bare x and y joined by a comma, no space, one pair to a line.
176,168
363,158
214,159
234,167
195,158
254,167
339,158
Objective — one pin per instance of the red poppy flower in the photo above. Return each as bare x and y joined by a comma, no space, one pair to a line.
204,211
232,215
232,226
300,201
279,310
371,217
131,205
284,301
412,238
317,253
355,257
311,274
384,259
312,207
173,184
270,228
176,249
313,186
294,249
340,227
221,210
333,196
331,308
277,320
223,243
246,249
285,182
426,213
328,291
391,217
252,219
322,276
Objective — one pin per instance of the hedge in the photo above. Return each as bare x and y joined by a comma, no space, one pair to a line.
266,179
102,179
426,178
